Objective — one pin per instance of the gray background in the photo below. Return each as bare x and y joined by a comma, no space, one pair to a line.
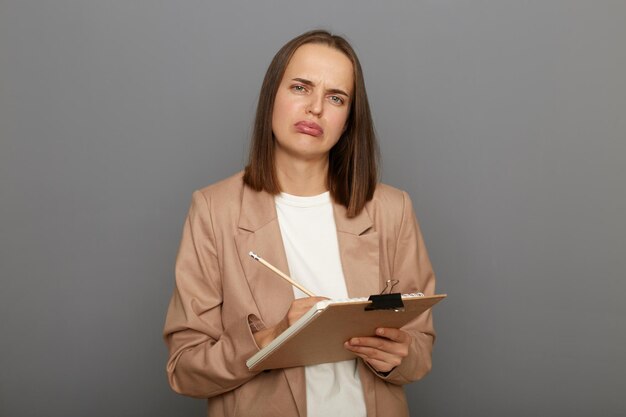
505,120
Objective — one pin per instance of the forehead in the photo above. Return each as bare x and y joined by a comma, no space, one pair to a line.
321,63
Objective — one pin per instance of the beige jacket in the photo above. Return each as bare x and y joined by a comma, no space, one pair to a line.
218,286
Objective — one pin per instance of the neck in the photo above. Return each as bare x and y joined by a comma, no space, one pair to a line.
302,178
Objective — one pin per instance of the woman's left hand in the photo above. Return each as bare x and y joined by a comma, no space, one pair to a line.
384,351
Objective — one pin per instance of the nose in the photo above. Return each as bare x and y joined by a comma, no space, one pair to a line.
316,104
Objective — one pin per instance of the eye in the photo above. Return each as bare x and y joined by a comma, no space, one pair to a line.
298,88
336,99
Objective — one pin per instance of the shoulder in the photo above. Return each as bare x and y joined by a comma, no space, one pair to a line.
224,189
386,194
389,198
221,197
389,205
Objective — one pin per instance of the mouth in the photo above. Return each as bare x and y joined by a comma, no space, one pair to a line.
309,128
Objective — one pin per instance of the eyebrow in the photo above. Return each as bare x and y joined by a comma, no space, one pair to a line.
330,90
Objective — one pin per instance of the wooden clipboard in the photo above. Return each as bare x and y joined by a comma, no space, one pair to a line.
319,335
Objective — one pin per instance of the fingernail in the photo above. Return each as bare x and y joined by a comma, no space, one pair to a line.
380,331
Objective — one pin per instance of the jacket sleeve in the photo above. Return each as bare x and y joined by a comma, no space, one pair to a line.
205,358
411,264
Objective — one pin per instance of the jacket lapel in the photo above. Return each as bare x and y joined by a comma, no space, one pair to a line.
259,232
358,248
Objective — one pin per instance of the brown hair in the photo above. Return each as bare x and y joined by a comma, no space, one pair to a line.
353,161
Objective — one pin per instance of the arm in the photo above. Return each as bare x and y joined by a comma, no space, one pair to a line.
403,355
205,359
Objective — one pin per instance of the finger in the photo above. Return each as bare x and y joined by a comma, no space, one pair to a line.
379,366
300,306
381,343
396,335
381,361
372,342
379,349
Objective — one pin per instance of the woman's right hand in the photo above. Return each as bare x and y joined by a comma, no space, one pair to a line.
296,310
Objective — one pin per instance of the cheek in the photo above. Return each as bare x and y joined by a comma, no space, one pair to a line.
338,121
282,109
278,114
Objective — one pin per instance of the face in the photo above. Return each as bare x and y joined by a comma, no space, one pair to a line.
312,103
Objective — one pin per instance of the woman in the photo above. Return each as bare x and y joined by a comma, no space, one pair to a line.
309,203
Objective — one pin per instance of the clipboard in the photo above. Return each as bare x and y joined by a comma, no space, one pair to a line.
318,336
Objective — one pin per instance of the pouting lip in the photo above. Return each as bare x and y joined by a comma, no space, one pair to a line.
308,127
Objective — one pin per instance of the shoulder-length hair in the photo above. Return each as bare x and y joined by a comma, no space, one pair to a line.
353,161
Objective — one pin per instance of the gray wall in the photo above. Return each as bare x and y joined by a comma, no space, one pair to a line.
504,119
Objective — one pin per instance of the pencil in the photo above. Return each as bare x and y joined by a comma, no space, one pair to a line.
280,273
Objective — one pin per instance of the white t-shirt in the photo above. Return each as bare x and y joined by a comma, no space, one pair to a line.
307,226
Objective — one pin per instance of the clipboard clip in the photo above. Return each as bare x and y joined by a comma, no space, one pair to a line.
389,301
389,284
